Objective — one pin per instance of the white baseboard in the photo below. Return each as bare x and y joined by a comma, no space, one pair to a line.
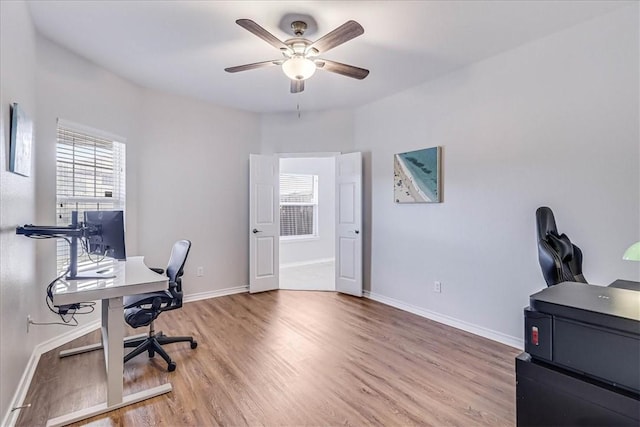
25,381
10,418
450,321
305,263
217,293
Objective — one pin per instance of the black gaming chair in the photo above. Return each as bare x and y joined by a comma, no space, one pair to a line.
142,310
560,260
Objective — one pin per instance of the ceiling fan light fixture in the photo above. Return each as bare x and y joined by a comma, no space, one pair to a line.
298,68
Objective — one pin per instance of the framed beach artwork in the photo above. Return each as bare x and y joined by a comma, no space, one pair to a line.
20,142
416,176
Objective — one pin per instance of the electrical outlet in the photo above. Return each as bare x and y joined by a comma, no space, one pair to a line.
28,322
437,287
200,271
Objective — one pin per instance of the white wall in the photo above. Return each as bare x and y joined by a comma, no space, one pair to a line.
49,82
321,247
72,88
193,178
18,292
187,177
554,122
184,158
312,132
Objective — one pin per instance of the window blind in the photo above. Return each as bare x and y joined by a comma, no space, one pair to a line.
90,175
298,205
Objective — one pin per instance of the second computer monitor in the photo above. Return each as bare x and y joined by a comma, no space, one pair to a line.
105,233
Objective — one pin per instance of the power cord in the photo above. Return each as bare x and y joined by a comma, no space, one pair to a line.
66,312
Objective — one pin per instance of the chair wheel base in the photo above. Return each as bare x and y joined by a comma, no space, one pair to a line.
171,367
194,344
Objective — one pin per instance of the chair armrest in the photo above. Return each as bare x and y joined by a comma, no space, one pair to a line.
173,288
157,270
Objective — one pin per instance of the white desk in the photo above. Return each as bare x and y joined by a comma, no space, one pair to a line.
132,277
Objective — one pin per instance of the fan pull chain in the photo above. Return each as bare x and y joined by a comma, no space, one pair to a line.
298,107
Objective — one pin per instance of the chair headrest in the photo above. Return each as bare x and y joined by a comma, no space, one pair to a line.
561,244
545,222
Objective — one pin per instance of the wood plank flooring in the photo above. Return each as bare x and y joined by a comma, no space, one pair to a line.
293,358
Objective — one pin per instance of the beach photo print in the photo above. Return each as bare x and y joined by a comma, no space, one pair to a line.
416,176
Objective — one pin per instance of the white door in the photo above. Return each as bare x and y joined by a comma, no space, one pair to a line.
349,224
264,223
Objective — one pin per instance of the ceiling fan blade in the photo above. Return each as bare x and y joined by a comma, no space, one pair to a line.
347,31
344,69
253,66
265,35
297,86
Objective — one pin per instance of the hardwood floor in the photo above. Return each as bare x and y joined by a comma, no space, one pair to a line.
294,358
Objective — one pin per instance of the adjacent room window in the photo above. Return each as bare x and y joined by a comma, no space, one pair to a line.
298,206
90,175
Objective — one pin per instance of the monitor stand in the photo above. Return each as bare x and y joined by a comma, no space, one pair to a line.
101,273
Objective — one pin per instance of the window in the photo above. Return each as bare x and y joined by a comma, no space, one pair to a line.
90,175
298,205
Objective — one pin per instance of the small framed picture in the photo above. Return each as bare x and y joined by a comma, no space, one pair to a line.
20,142
416,176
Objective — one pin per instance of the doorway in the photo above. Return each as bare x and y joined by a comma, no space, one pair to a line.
264,222
307,223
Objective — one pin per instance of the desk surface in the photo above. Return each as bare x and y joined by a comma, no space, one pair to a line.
132,277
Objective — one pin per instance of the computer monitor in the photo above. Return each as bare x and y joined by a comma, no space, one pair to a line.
104,233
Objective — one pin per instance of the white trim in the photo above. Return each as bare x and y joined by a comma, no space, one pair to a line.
217,293
25,381
91,131
305,263
450,321
299,239
10,418
307,155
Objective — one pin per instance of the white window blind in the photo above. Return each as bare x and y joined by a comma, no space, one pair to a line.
298,205
90,175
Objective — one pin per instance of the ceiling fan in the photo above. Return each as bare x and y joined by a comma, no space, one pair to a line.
300,56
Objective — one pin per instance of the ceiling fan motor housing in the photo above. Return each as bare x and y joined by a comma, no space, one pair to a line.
300,56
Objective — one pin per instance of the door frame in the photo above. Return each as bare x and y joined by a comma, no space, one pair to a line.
316,155
321,154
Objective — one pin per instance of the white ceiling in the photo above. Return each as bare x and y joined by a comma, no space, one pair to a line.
183,46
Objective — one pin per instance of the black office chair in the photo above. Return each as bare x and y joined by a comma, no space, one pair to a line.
142,310
560,260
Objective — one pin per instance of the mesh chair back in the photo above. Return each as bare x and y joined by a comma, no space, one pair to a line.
178,258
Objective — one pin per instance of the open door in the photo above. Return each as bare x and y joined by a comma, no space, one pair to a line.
349,224
264,223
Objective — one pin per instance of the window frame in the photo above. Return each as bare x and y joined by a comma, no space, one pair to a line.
69,173
315,235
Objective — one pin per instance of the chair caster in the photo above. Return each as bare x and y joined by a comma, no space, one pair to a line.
194,344
171,367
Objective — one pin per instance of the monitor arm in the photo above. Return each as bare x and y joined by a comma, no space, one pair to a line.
74,231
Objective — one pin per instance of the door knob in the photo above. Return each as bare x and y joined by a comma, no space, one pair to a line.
255,230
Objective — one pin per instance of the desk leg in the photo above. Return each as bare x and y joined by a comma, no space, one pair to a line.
114,349
96,346
112,336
